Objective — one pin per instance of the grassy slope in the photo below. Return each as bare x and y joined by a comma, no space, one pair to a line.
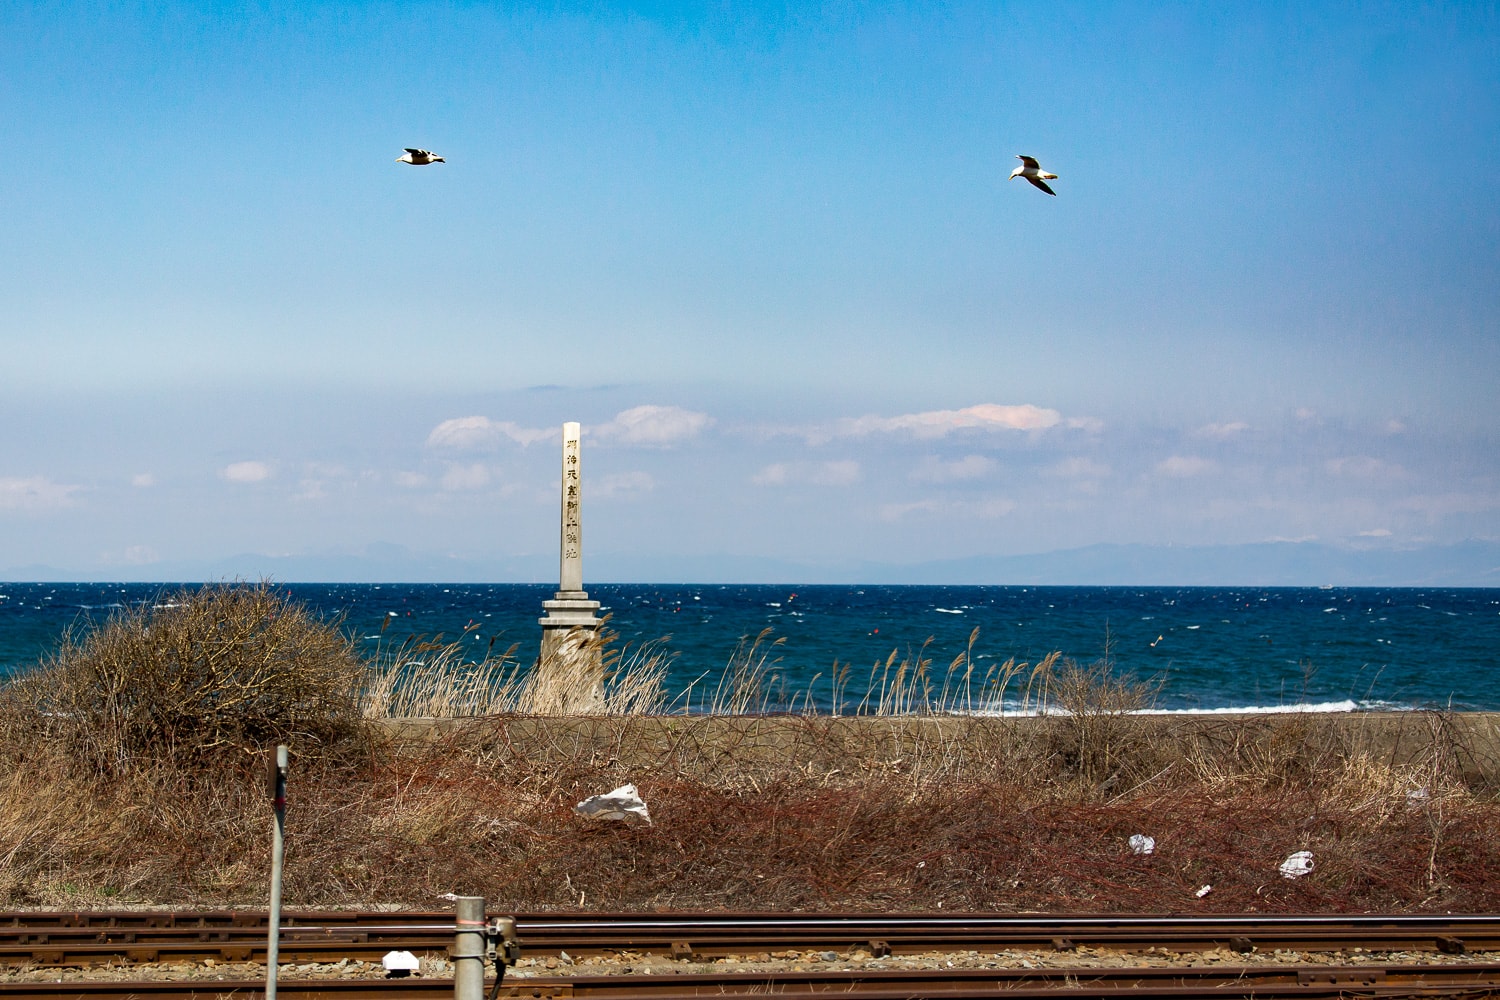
792,812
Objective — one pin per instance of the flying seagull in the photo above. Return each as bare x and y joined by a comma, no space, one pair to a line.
1033,172
422,157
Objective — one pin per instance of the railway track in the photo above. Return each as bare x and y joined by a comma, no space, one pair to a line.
1264,983
82,939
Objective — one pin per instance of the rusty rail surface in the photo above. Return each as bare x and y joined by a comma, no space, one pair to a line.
90,938
1265,982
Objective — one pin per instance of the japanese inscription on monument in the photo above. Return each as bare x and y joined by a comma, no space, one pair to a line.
570,577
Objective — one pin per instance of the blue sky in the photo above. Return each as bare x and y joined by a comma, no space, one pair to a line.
768,256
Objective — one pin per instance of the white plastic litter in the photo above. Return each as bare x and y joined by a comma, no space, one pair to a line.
1142,844
624,803
1297,864
400,962
1204,891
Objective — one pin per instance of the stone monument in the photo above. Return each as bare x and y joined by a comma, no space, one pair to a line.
571,669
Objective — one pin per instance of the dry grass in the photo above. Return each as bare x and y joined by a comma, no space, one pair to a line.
792,812
893,802
437,680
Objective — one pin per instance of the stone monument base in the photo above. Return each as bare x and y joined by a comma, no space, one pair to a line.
570,670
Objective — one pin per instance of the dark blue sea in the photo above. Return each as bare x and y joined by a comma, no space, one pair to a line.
1212,648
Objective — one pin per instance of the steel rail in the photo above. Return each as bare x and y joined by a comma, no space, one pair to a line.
84,938
1264,982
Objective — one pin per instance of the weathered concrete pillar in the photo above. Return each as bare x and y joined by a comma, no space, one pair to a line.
570,670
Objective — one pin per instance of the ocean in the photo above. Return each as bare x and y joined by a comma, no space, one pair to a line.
1212,648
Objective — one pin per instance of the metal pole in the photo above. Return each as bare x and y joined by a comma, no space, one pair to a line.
273,934
468,949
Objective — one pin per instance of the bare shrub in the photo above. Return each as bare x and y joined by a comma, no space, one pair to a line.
226,669
1099,707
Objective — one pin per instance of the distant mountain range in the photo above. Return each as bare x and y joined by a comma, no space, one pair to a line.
1465,564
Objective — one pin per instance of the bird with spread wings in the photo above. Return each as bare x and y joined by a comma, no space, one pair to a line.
419,157
1033,172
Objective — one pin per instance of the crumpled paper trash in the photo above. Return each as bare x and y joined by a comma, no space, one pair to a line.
399,963
1204,891
1141,844
624,803
1297,864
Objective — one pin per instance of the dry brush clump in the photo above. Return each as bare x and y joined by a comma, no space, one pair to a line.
199,676
133,756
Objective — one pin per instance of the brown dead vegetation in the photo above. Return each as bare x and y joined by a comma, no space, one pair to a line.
100,805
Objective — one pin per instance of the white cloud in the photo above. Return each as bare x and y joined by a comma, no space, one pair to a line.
143,480
938,423
465,477
311,489
464,432
1395,426
622,484
467,433
841,473
844,472
246,472
1363,467
987,508
35,493
991,507
936,470
410,480
1221,432
896,511
1376,533
318,477
1077,468
1185,466
775,474
655,425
